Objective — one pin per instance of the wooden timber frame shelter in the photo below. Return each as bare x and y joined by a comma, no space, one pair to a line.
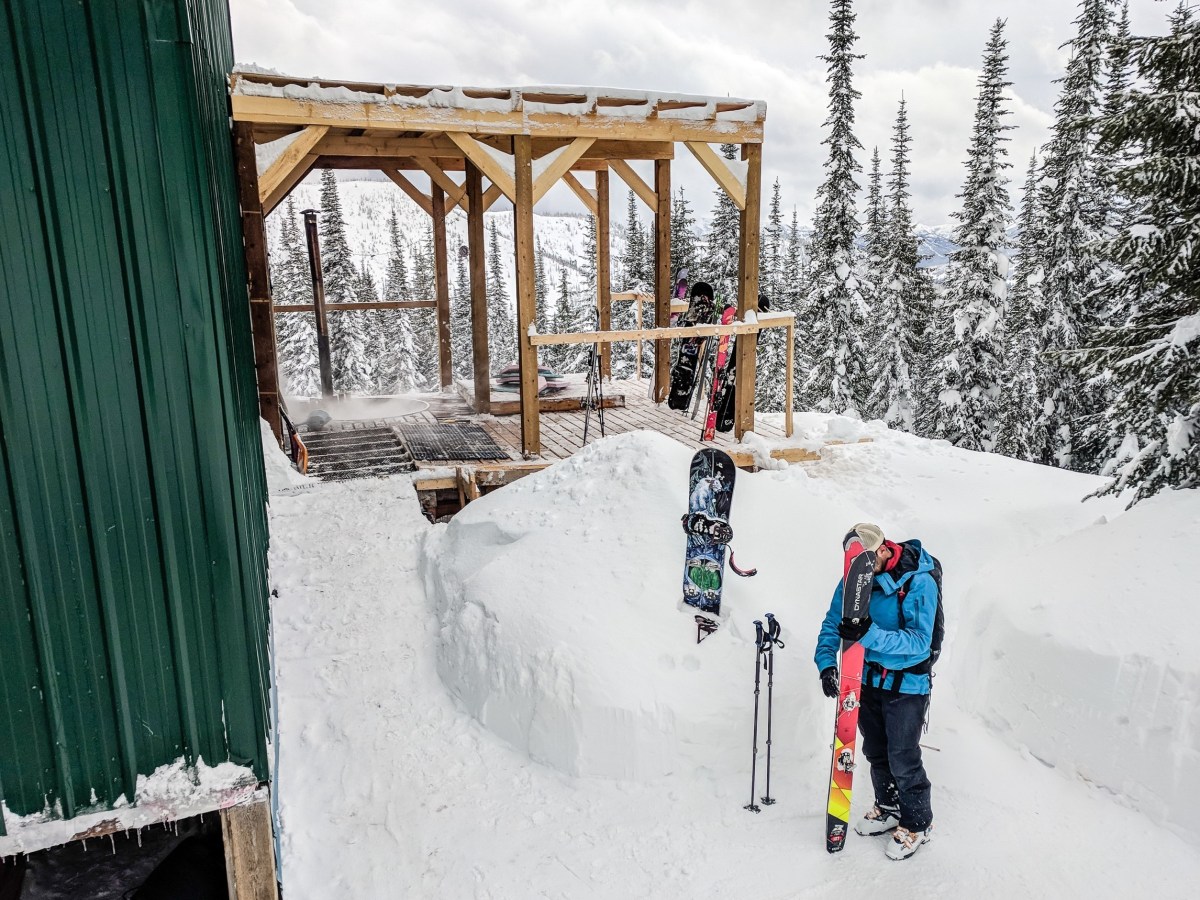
521,141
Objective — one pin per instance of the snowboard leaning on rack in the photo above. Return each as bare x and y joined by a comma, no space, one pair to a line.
685,371
858,580
710,496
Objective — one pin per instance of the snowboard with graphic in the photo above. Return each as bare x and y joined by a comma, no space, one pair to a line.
689,354
710,496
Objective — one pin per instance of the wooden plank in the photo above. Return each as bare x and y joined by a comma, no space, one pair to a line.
382,145
476,265
552,404
486,163
490,196
662,277
420,198
527,354
357,114
441,271
456,194
790,337
254,238
748,249
381,304
586,197
718,168
648,334
559,166
285,187
249,851
287,161
603,268
634,180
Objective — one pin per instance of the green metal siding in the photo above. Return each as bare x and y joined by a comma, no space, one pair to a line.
133,590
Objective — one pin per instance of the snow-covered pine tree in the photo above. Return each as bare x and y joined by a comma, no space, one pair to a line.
502,330
424,321
636,269
683,237
296,333
1153,359
874,241
360,373
833,311
396,365
461,348
347,330
966,376
904,296
771,389
541,291
567,318
720,266
1120,78
1021,432
771,253
1076,214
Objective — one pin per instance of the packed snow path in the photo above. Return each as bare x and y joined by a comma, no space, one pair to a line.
388,786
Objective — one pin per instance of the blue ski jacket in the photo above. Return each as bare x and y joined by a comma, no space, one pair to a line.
886,643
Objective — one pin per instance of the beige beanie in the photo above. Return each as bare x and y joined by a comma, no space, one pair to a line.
870,535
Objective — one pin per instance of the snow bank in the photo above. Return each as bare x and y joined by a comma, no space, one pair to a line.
281,473
1087,653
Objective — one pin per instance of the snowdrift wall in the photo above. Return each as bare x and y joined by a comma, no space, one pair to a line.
1088,655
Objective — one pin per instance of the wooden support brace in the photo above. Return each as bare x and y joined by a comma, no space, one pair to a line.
421,199
560,166
289,160
718,167
663,281
490,196
586,197
441,268
478,275
634,180
748,250
456,194
603,269
482,157
527,356
249,851
298,174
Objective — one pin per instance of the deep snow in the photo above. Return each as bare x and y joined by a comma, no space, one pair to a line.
511,705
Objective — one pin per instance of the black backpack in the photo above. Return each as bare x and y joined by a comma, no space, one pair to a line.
925,667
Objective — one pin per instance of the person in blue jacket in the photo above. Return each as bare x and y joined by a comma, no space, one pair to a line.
896,635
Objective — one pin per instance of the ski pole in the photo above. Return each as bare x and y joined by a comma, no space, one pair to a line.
758,647
773,630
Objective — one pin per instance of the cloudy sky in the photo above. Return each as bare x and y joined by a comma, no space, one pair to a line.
929,50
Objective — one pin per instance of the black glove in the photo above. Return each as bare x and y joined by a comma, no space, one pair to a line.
854,631
829,681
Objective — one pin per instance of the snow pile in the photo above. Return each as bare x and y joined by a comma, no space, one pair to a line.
1087,653
280,472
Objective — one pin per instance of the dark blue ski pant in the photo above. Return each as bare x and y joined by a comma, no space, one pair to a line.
891,726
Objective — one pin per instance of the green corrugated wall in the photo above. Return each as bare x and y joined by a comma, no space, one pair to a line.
133,589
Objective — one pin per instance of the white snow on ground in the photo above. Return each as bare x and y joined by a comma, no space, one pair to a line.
511,705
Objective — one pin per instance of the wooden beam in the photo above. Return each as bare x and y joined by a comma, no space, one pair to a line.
603,268
367,115
285,187
631,178
790,337
479,311
287,161
662,277
249,851
586,197
718,167
559,166
421,199
490,196
456,194
258,277
748,249
527,357
441,269
670,333
487,163
333,307
383,145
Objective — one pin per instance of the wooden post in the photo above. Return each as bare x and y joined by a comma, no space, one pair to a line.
249,851
531,439
638,300
790,337
603,269
258,278
479,311
748,290
442,281
662,276
317,275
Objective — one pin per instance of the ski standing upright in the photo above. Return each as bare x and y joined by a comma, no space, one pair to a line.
857,582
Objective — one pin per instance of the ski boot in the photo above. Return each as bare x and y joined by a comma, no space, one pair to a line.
905,843
880,820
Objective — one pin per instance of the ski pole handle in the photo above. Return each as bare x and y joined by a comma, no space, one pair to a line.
773,630
758,634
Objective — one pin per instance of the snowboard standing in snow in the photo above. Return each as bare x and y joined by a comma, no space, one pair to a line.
857,582
684,372
710,496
